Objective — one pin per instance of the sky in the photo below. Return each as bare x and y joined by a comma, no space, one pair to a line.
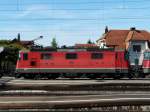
70,21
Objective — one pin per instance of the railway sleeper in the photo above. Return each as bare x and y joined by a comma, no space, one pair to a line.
53,76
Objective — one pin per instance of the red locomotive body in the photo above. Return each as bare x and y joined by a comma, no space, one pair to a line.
146,62
64,62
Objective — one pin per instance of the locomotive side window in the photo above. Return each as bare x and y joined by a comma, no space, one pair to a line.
71,56
97,55
25,56
137,48
46,56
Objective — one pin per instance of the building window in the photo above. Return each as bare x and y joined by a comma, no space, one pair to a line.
137,48
71,56
97,55
46,56
25,56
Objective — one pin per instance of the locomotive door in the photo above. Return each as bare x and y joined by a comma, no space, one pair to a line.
33,60
119,62
33,63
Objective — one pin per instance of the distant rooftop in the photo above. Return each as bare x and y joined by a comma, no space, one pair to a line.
118,38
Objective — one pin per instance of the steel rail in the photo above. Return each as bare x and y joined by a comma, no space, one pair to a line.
78,103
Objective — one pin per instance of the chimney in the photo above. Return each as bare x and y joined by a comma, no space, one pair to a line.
106,30
132,28
18,37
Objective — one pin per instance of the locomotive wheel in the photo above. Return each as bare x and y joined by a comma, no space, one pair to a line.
130,76
49,76
142,76
91,76
135,75
29,76
17,76
37,76
71,75
26,76
116,77
52,76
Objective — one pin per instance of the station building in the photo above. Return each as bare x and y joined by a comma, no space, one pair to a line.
134,41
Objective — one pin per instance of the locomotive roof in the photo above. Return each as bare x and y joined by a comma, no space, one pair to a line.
69,49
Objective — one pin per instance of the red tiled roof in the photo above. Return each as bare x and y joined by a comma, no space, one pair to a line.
116,37
85,45
27,42
119,38
141,35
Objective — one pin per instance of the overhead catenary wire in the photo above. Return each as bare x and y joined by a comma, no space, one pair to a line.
75,9
20,3
79,2
102,8
70,3
76,19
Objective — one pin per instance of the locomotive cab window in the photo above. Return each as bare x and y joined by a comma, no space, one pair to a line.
97,55
71,56
46,56
25,56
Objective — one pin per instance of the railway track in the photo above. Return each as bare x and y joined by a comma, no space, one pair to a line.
73,102
61,87
78,85
64,93
3,81
99,109
74,95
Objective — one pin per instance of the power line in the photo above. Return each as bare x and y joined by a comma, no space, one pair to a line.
19,5
77,19
79,10
87,2
73,3
71,9
84,30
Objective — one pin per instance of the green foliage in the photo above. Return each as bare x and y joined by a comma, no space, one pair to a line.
4,42
54,43
90,42
10,44
11,51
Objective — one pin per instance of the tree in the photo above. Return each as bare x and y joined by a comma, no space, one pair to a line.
89,42
54,43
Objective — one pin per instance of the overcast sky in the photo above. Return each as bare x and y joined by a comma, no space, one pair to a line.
70,21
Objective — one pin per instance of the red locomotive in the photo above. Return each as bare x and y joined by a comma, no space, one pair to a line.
146,62
72,63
